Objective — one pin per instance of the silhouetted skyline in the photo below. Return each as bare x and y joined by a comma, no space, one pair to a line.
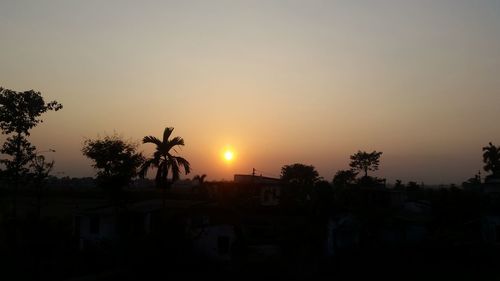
279,82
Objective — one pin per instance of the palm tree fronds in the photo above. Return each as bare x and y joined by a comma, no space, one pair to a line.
164,160
145,167
151,139
166,134
183,162
176,141
175,172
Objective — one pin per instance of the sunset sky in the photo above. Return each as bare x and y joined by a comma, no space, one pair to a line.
277,81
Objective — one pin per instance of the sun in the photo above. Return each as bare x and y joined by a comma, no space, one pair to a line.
228,155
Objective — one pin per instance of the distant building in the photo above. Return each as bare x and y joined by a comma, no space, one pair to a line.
269,189
239,178
213,232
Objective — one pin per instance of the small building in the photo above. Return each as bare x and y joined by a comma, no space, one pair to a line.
96,227
105,226
213,232
267,189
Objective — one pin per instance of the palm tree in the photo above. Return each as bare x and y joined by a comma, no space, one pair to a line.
200,179
491,159
164,160
201,182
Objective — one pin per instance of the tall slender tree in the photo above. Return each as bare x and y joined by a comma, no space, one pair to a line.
164,160
19,113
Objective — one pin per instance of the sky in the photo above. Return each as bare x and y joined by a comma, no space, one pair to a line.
279,82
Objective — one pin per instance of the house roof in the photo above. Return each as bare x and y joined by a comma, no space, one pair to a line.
238,178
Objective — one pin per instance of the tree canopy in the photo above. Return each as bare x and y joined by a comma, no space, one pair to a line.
200,179
21,152
115,160
344,178
299,174
491,159
364,161
21,111
164,159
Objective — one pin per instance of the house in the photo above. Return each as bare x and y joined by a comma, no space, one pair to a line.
268,190
213,232
95,227
106,226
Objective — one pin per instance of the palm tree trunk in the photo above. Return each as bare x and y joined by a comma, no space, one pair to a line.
164,186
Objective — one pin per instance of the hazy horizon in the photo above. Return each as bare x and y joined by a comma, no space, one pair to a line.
278,81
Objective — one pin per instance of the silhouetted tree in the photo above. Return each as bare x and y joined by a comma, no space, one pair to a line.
363,161
399,185
116,161
201,182
41,170
491,159
164,160
21,152
19,113
301,179
344,178
299,174
412,186
200,179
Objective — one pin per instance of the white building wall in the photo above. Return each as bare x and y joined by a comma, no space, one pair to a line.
207,244
106,230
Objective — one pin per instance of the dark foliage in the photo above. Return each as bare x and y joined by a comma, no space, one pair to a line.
164,160
491,159
364,161
299,174
21,111
344,178
116,160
